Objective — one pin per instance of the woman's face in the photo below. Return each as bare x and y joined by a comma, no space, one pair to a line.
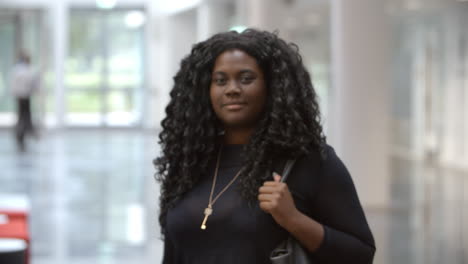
237,91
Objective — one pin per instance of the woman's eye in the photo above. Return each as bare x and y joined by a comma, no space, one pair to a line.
220,81
247,79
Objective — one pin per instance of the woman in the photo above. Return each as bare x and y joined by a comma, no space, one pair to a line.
241,106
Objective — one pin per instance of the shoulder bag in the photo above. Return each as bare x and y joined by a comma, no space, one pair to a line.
289,251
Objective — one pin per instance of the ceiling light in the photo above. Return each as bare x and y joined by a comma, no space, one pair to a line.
106,4
134,19
239,28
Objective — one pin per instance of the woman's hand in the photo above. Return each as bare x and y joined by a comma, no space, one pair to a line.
275,199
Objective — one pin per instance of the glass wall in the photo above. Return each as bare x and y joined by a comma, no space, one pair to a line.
8,33
104,74
19,30
308,26
429,82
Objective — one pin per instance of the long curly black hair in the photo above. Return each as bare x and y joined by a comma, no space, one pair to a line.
290,126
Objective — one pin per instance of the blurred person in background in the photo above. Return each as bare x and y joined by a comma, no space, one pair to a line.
24,83
241,106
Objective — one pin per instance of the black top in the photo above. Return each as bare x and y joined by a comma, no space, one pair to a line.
237,233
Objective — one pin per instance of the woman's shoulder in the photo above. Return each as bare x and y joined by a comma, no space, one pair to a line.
315,163
318,170
322,163
319,157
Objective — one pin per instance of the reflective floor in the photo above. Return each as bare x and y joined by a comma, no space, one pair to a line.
93,200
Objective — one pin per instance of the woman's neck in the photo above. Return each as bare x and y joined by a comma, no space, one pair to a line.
237,136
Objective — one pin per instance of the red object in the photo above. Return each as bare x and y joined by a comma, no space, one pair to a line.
16,227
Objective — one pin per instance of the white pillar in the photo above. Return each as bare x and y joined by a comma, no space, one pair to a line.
360,97
257,14
264,14
419,90
241,10
159,75
464,84
454,142
173,36
212,17
59,24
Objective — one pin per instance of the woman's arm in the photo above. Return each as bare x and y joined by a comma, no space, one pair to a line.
168,257
275,199
339,233
347,235
328,245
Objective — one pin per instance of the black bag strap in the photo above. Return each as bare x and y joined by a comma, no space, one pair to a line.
287,169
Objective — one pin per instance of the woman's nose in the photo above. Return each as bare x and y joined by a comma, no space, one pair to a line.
233,88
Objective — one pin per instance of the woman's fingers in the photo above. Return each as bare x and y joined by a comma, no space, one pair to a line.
271,195
267,197
273,183
267,189
266,206
269,201
275,199
276,177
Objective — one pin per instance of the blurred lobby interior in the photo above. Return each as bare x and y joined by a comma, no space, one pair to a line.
392,77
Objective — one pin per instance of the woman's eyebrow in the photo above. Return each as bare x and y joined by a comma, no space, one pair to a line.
246,71
240,72
218,73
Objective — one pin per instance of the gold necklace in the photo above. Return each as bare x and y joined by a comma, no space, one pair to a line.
211,201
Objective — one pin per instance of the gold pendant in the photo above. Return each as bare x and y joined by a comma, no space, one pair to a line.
208,212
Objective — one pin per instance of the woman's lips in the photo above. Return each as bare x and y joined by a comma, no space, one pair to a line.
233,107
